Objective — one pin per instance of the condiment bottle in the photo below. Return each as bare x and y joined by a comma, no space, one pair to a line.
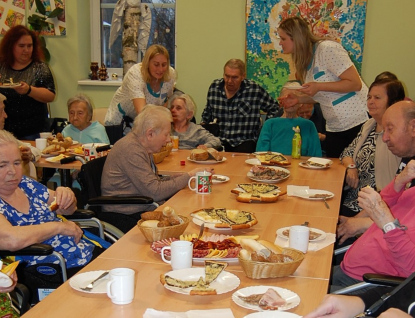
296,143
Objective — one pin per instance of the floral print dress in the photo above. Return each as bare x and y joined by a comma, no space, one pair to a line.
75,254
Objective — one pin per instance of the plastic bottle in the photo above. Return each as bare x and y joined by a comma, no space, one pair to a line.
296,148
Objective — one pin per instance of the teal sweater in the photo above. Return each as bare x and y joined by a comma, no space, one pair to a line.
277,134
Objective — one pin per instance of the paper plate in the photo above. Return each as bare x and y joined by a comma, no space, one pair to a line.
308,193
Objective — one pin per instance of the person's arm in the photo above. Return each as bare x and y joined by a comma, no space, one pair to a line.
40,94
349,82
352,226
407,175
139,104
17,237
265,137
338,306
207,112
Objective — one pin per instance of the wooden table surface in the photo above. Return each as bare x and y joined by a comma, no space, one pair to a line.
310,281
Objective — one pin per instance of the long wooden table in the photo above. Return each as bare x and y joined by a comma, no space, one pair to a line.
310,281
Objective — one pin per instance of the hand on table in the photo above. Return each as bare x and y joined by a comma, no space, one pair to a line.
338,306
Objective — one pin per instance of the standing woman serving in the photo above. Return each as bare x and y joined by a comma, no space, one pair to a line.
22,61
329,78
149,82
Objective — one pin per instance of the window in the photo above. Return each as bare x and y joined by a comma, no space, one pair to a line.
161,26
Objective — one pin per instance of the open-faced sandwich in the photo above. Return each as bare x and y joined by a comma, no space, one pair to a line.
256,192
226,218
272,159
202,285
319,162
270,300
268,173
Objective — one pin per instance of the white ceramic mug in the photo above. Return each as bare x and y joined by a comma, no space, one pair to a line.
90,152
45,134
175,143
41,143
181,254
203,182
120,286
299,237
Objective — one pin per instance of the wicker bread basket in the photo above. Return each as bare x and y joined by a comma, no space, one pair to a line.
258,270
163,153
153,234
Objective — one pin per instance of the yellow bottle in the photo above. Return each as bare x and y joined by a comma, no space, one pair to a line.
296,143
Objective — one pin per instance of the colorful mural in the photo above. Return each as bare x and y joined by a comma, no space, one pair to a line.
343,21
12,12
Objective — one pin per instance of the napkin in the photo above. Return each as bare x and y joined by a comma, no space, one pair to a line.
312,246
208,313
293,189
321,161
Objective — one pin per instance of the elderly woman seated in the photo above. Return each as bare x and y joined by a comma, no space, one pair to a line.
130,169
277,133
190,135
81,128
26,218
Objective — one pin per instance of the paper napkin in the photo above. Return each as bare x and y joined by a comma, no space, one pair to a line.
208,313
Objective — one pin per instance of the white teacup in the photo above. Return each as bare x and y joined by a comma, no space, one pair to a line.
120,287
181,254
299,237
41,143
203,180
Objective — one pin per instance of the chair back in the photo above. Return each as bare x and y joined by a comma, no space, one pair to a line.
90,178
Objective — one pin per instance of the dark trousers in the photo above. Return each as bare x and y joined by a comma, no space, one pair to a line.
337,141
247,146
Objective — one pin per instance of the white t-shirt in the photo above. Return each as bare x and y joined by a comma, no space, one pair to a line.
342,111
134,86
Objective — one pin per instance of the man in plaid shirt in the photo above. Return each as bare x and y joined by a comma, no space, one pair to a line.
234,102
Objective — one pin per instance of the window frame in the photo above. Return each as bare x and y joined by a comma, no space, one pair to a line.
95,24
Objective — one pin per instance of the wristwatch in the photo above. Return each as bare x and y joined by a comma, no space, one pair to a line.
351,166
393,225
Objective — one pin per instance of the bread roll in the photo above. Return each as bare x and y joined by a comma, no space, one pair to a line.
150,223
244,254
152,215
252,245
272,247
215,154
199,154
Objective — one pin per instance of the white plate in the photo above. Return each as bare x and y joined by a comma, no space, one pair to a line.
293,87
210,225
306,193
95,144
292,298
224,283
280,233
266,152
251,176
201,261
220,181
11,86
272,314
51,159
307,166
5,281
253,162
207,162
83,279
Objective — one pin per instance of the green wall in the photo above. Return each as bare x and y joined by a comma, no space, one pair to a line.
209,32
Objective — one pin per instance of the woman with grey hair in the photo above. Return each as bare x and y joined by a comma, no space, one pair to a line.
190,135
130,170
81,128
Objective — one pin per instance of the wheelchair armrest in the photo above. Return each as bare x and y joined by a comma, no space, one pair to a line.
102,200
31,250
385,280
81,214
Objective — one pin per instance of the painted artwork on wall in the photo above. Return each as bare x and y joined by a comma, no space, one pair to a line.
13,12
343,21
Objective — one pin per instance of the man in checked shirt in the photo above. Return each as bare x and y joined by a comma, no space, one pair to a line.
234,102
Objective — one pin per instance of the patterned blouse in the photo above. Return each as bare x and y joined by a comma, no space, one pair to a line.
75,254
365,163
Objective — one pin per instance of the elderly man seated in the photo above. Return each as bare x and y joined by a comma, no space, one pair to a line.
81,128
277,133
388,245
130,169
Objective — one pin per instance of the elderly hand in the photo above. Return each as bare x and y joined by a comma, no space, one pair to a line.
26,154
66,200
70,228
371,201
405,176
289,100
350,227
202,147
338,306
352,178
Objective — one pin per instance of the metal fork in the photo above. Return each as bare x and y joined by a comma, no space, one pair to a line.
90,286
325,202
